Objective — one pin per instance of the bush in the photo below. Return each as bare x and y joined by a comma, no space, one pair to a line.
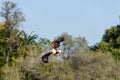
94,66
2,75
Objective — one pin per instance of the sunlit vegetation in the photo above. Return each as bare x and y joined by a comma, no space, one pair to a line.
111,42
20,53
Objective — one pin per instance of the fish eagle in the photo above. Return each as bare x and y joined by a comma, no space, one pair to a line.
55,51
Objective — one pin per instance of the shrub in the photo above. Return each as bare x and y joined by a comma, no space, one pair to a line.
94,66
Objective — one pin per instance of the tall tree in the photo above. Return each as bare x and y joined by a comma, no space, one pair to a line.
3,43
12,18
111,41
26,42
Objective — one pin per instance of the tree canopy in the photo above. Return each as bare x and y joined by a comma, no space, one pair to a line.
111,41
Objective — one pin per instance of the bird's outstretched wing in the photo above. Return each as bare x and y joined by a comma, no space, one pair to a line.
60,39
56,42
45,57
55,45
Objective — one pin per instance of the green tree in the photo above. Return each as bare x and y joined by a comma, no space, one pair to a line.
3,45
28,38
111,41
72,44
12,18
103,46
26,41
44,44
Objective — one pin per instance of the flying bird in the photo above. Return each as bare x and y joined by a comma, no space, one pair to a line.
55,51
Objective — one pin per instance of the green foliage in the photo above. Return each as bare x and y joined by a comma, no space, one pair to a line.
112,36
44,44
2,61
116,54
2,75
94,66
8,34
80,66
72,44
11,72
22,51
3,45
103,46
50,72
27,38
111,42
26,43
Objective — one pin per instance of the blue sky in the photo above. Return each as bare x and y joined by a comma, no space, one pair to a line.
85,18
